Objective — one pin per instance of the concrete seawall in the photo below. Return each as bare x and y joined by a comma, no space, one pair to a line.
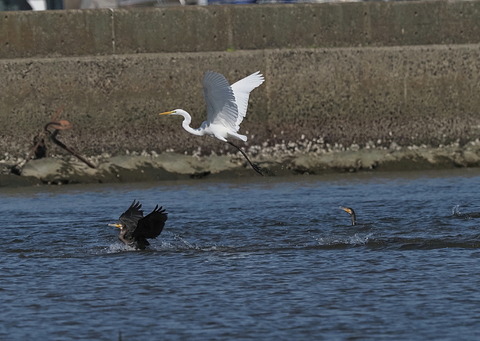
371,75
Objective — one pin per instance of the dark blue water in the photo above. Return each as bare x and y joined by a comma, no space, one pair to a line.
263,258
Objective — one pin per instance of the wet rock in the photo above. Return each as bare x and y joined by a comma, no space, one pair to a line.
11,180
44,168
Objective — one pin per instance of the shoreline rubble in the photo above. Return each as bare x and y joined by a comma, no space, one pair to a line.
293,158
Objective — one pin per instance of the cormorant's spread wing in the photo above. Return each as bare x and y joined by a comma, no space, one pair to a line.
221,106
152,225
241,91
130,217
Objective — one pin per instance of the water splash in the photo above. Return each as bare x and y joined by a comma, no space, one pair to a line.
456,211
355,240
360,240
118,248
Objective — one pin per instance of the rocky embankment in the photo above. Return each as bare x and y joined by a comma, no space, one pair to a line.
301,157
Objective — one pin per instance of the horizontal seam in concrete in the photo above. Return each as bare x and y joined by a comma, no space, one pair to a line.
264,51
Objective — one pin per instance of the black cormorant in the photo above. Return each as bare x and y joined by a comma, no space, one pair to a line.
352,214
135,228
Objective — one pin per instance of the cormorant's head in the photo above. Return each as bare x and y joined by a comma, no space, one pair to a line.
352,214
348,210
117,225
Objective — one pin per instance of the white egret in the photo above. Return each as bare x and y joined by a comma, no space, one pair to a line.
226,108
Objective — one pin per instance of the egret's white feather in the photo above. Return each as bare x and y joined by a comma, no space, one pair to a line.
226,108
221,106
241,91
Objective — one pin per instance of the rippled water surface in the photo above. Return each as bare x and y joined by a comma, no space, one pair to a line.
263,258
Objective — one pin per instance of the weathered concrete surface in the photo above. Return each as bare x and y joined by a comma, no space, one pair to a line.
55,33
407,95
345,75
219,28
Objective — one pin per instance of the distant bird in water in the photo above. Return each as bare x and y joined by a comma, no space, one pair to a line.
352,214
226,108
135,229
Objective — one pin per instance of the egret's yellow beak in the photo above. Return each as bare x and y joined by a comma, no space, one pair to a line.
167,113
116,225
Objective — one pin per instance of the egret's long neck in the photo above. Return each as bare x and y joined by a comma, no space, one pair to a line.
187,119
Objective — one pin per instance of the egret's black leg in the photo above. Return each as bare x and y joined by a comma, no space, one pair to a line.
254,166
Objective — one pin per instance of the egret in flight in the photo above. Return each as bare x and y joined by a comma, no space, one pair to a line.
135,228
226,108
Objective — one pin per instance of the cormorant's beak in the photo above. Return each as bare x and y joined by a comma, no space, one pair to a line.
116,225
167,112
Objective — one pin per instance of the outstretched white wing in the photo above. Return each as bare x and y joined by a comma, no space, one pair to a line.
221,106
241,91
